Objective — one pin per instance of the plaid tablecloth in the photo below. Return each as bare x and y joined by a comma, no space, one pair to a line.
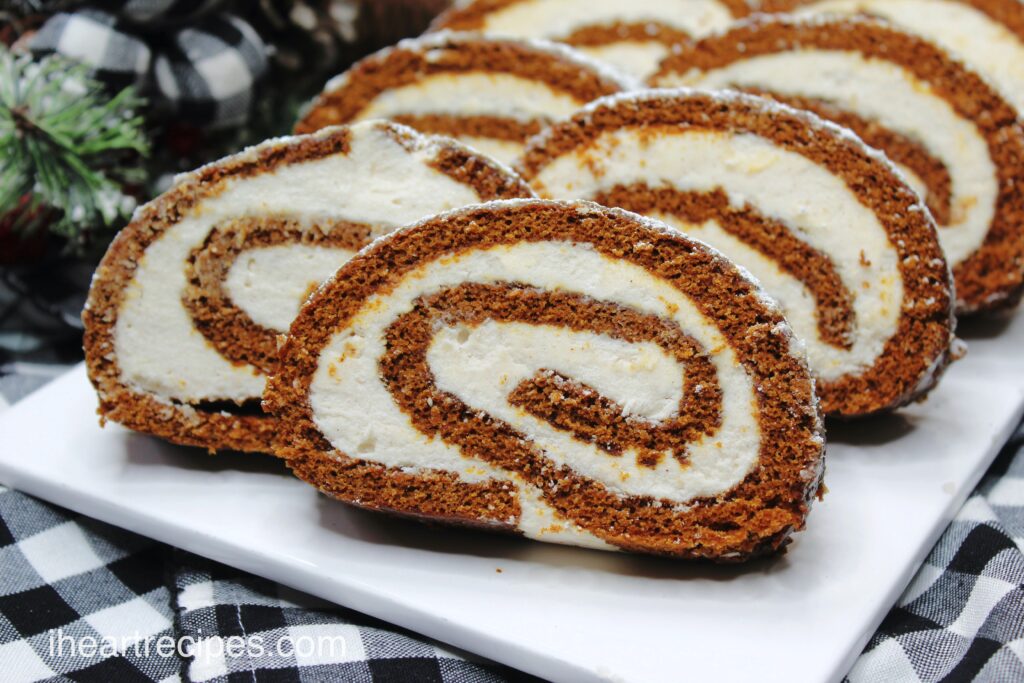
156,613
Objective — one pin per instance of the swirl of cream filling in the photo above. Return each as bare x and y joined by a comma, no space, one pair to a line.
983,43
380,182
812,209
633,36
883,92
494,348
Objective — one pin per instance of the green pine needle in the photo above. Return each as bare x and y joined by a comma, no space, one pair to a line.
67,148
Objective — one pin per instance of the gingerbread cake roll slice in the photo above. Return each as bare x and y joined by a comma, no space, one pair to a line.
824,222
988,35
561,370
633,36
185,309
489,93
955,137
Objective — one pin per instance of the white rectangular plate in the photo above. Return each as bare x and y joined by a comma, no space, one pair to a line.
562,613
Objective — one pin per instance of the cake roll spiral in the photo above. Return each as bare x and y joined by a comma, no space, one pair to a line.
987,35
955,137
185,310
825,223
573,373
489,93
633,36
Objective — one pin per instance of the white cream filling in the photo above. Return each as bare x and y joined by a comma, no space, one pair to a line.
556,19
639,59
474,93
158,348
792,294
884,92
483,365
539,520
641,377
915,181
271,283
816,205
984,44
505,151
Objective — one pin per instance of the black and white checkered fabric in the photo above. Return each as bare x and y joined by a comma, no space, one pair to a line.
242,624
84,601
209,72
204,72
78,599
40,324
100,40
961,619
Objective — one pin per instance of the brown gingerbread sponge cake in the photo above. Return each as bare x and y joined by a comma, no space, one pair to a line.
489,93
185,308
572,373
955,137
824,222
633,36
988,35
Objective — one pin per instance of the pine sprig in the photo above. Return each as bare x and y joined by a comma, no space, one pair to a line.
67,148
